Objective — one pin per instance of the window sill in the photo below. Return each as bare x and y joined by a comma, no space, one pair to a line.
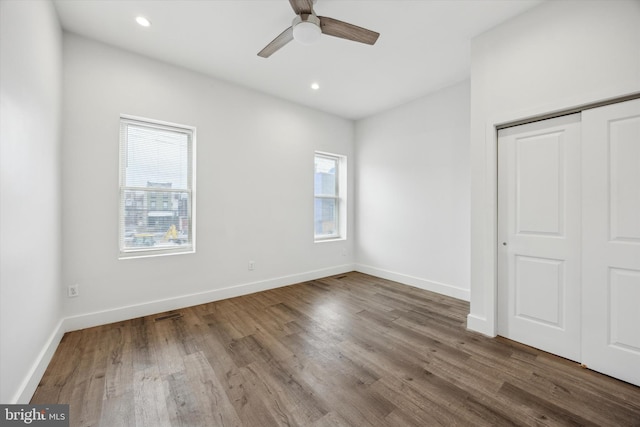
330,239
152,254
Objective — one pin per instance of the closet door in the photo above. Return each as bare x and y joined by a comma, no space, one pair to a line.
611,240
539,235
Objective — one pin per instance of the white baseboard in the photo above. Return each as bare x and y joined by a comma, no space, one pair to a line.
429,285
31,381
480,324
119,314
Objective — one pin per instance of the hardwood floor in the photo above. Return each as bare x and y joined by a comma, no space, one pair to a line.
349,350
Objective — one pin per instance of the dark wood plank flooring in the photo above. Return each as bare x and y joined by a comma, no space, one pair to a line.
349,350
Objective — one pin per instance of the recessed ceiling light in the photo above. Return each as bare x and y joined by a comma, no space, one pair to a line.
143,21
315,86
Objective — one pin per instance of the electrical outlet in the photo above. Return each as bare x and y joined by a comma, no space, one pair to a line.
73,291
344,252
252,265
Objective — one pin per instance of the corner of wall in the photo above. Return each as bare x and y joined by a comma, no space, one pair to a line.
416,282
480,324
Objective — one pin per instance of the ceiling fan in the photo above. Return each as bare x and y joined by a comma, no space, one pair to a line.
307,28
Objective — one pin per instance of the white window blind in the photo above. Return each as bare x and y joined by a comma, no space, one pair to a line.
329,211
156,188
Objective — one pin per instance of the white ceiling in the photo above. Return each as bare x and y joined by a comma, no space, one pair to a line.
424,44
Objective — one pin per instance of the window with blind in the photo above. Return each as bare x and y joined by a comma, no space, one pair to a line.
329,196
156,188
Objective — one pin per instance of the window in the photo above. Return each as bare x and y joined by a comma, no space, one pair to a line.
156,169
329,197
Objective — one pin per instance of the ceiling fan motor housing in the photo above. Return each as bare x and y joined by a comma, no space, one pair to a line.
306,28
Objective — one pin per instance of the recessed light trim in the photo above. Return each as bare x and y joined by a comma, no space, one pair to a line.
142,21
315,86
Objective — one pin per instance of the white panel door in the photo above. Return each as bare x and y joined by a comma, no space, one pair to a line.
611,240
539,235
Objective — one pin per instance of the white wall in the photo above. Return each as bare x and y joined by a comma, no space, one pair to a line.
30,290
412,191
254,186
559,55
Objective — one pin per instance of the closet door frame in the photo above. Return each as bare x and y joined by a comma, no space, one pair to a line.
484,243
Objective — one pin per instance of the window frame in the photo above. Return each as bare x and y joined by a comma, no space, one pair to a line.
340,198
190,131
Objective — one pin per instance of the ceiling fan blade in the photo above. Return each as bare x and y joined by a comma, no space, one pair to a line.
336,28
285,37
302,6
